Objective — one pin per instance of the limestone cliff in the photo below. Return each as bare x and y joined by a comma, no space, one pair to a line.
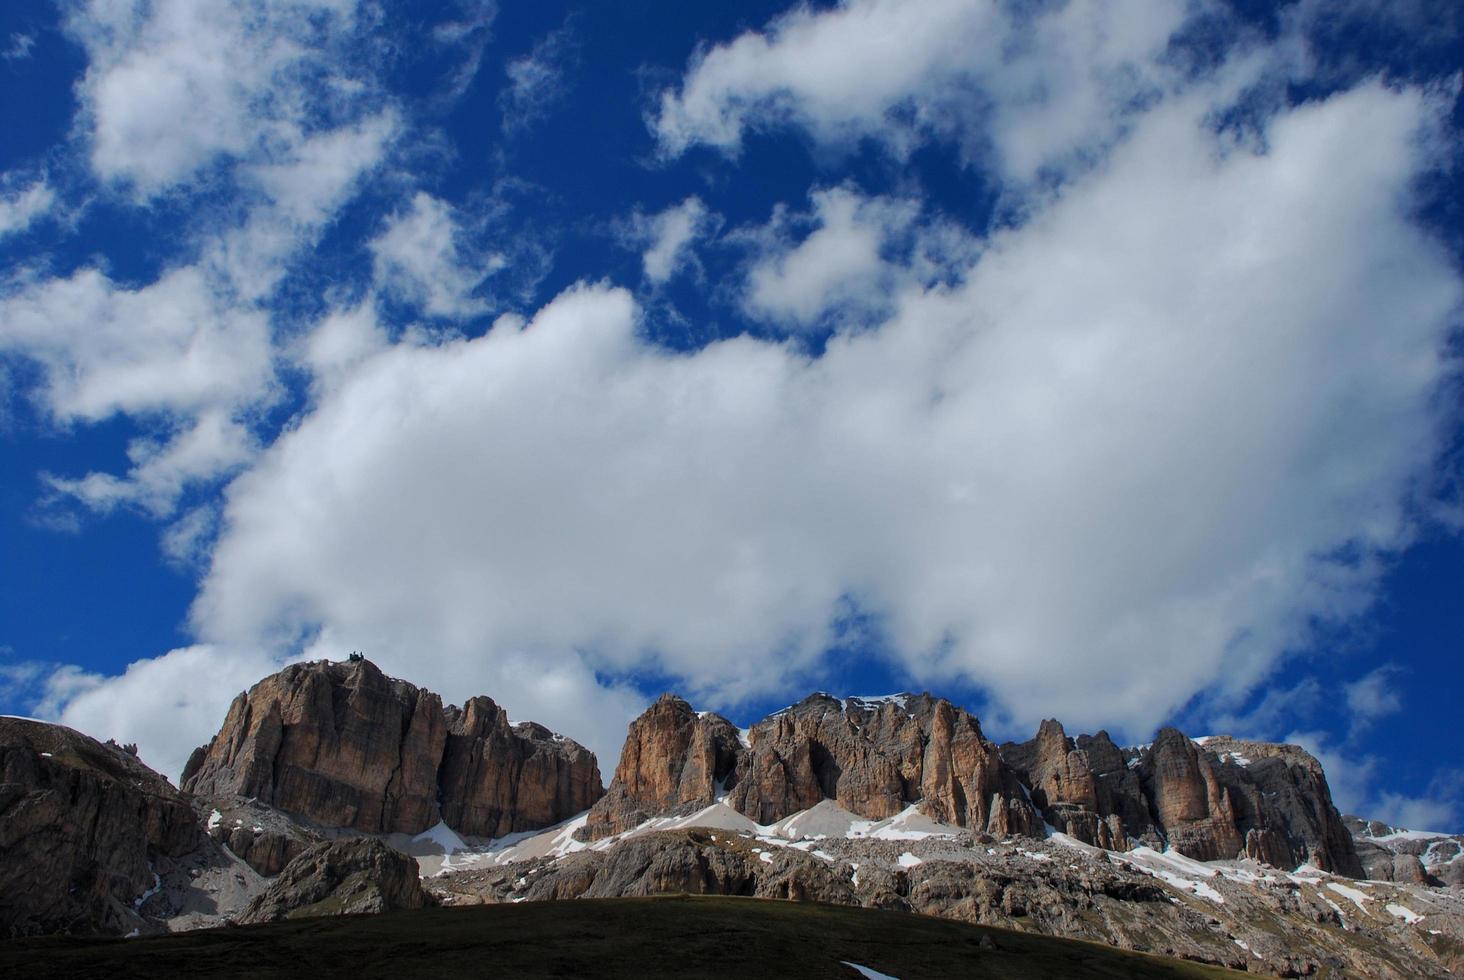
873,757
343,745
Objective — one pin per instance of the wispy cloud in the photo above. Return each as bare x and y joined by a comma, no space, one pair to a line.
20,47
538,81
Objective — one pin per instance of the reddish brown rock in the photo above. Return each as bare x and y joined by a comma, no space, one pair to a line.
499,779
82,825
343,745
1191,805
1084,791
1284,804
672,757
872,757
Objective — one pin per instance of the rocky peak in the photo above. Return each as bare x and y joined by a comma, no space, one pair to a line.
1216,797
872,756
1188,799
343,745
673,757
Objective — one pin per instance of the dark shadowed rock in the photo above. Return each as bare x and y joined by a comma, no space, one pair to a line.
263,837
343,877
1085,790
82,827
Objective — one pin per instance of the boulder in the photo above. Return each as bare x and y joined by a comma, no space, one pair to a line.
342,877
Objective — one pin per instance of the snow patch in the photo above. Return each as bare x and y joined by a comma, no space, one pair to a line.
444,837
867,973
908,860
1182,872
157,886
1358,897
1406,914
214,819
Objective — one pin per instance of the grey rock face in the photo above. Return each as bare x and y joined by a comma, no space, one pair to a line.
341,877
263,837
1224,799
82,825
1395,854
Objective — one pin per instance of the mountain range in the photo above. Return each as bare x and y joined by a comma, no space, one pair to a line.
333,788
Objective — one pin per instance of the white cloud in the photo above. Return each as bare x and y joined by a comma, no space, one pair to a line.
187,540
20,47
174,346
668,237
421,257
1100,475
176,84
1372,697
837,267
172,87
211,446
1039,86
20,207
341,341
167,705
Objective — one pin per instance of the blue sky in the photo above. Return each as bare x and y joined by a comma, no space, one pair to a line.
1086,360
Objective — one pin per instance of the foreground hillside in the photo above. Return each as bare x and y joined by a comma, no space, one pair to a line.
631,938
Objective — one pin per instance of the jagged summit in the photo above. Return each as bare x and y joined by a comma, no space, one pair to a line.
344,745
875,756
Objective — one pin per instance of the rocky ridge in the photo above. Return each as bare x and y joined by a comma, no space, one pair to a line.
343,745
1239,914
1220,799
1408,856
874,758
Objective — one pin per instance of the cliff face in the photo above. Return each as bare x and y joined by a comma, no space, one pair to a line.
1220,798
1083,788
672,757
498,779
1217,800
82,825
346,746
874,758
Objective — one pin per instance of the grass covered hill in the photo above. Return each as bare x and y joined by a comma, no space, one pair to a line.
628,938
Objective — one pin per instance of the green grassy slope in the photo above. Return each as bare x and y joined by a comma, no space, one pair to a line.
612,938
